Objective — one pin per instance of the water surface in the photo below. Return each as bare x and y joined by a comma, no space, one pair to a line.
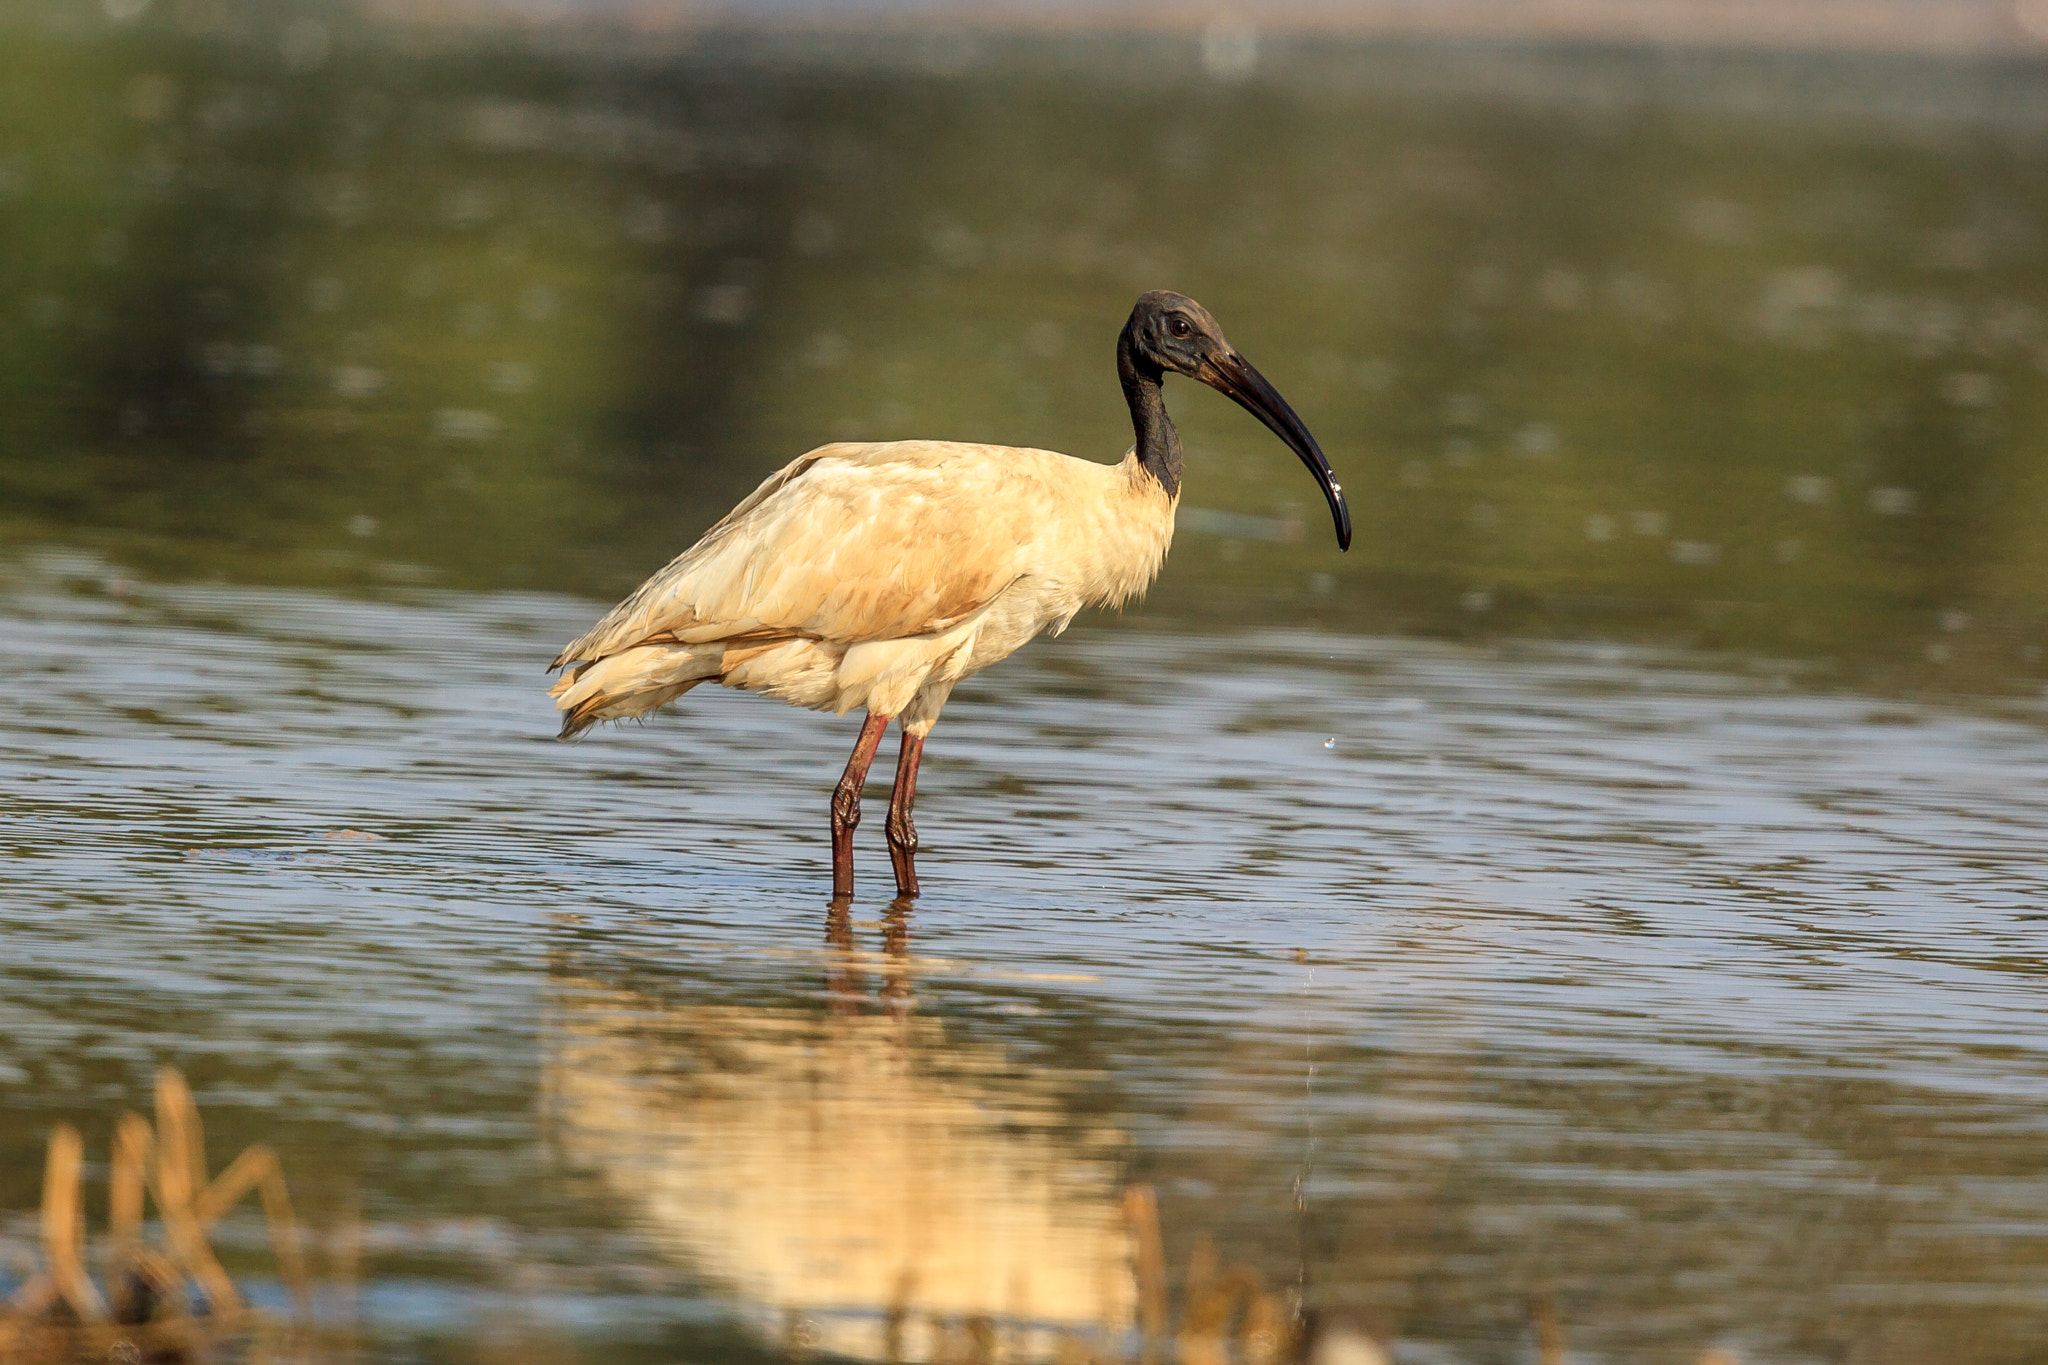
1702,1002
1615,883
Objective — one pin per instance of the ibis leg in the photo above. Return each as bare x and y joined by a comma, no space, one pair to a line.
902,832
846,803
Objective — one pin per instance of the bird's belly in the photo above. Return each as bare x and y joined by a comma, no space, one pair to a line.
800,672
885,676
1018,617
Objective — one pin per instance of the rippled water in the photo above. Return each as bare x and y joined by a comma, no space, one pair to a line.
1658,939
1703,1002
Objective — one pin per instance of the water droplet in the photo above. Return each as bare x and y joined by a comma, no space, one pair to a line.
1330,743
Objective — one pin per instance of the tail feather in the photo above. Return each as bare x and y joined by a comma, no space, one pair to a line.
602,706
632,683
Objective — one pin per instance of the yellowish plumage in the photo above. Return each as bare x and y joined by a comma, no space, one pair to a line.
876,576
879,576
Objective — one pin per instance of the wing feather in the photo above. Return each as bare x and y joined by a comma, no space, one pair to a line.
847,543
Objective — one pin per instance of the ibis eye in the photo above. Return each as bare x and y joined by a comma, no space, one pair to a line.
1178,326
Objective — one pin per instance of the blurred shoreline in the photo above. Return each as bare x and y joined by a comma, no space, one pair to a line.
1968,28
1698,347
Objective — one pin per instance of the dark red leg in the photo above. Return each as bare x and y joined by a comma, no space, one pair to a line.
846,803
902,832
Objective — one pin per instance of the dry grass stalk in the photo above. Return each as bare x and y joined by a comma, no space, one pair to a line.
60,1313
1205,1309
1141,1210
1071,1349
64,1226
1549,1330
1267,1327
898,1316
1226,1314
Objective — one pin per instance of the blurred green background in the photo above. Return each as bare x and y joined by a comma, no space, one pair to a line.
1733,351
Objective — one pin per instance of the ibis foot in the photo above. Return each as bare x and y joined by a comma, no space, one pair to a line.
902,830
846,803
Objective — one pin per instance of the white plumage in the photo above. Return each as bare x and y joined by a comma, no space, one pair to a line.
878,576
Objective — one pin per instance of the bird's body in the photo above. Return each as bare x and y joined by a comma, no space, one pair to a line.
876,576
879,576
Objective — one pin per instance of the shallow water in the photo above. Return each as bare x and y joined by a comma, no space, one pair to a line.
1615,884
1704,1003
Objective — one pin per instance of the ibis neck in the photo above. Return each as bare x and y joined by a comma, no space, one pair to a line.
1158,443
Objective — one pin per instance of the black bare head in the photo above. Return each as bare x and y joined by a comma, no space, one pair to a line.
1170,332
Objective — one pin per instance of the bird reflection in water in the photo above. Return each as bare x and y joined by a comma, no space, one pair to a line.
853,1180
845,976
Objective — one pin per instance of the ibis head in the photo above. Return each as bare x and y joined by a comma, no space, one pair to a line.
1171,332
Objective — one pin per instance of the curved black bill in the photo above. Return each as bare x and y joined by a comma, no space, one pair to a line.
1232,375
